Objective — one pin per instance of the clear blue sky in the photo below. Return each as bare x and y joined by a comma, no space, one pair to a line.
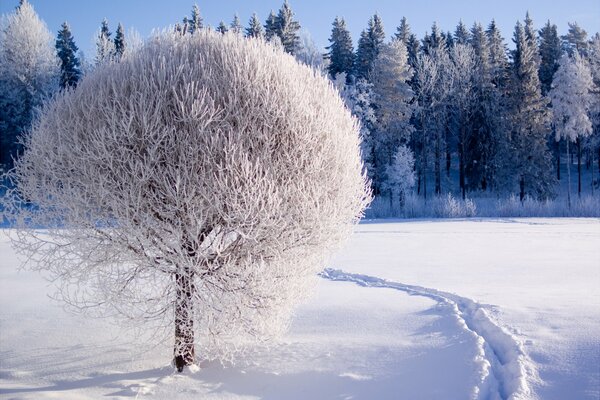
316,16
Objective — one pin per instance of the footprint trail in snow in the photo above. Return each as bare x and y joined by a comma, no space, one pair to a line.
506,372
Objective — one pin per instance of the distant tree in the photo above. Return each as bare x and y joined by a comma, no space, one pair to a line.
222,28
550,53
340,50
271,26
29,75
594,57
70,67
571,105
393,99
194,23
369,44
105,48
236,26
119,42
529,159
254,29
308,53
287,28
400,175
576,40
175,214
461,34
403,32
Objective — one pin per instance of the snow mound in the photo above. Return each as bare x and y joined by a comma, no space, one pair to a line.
506,371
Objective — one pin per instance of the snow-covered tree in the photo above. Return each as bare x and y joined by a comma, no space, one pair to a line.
433,82
271,26
287,28
222,28
403,31
462,34
194,23
571,104
528,163
119,42
594,57
464,97
191,197
254,29
358,97
369,44
29,74
105,48
400,174
340,50
70,67
236,25
308,53
575,40
393,98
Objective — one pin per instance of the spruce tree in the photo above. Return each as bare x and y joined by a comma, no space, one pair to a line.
369,44
236,26
286,27
403,31
194,23
340,51
529,160
70,67
222,28
119,42
271,26
550,53
461,34
104,45
254,29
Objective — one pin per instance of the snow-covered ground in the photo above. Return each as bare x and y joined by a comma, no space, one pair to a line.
446,309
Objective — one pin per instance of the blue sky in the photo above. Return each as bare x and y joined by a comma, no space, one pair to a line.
316,16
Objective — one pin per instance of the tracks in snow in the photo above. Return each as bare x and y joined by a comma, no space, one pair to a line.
505,369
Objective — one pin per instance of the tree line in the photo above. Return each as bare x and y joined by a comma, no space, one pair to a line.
450,101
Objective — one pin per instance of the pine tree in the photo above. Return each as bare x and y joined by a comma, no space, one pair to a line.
66,50
119,42
104,46
550,53
340,51
530,161
434,41
222,28
271,26
461,34
369,44
571,105
236,26
254,29
286,27
594,59
576,39
403,31
29,74
194,23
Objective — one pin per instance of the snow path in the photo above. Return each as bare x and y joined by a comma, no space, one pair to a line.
505,369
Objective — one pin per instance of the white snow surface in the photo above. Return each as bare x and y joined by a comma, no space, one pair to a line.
444,309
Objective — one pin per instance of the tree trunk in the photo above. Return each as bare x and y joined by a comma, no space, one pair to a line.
184,353
558,160
522,187
578,166
461,168
438,166
568,175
